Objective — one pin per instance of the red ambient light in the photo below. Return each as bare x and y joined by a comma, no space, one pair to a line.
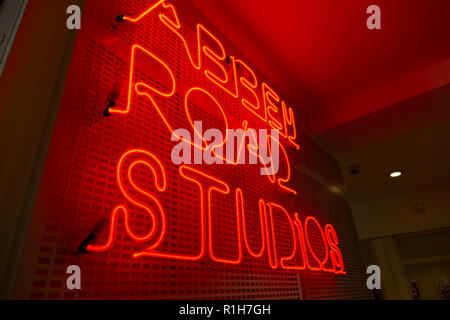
256,99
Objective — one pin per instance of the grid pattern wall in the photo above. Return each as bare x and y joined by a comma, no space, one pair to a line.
79,187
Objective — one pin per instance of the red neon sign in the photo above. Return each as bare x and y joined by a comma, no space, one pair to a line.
258,99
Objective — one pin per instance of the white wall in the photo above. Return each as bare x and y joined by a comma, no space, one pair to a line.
394,214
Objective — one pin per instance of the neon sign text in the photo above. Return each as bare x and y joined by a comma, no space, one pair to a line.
303,249
266,103
306,252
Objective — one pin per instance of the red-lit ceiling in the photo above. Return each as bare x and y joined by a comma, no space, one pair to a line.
335,69
378,99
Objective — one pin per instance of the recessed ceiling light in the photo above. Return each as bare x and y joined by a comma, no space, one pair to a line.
355,169
395,174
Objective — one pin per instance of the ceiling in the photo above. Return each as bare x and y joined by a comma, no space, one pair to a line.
379,99
327,61
412,135
423,156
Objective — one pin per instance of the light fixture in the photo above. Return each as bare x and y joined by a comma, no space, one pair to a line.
395,174
354,169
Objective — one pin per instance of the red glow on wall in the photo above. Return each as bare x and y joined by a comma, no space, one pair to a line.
206,192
